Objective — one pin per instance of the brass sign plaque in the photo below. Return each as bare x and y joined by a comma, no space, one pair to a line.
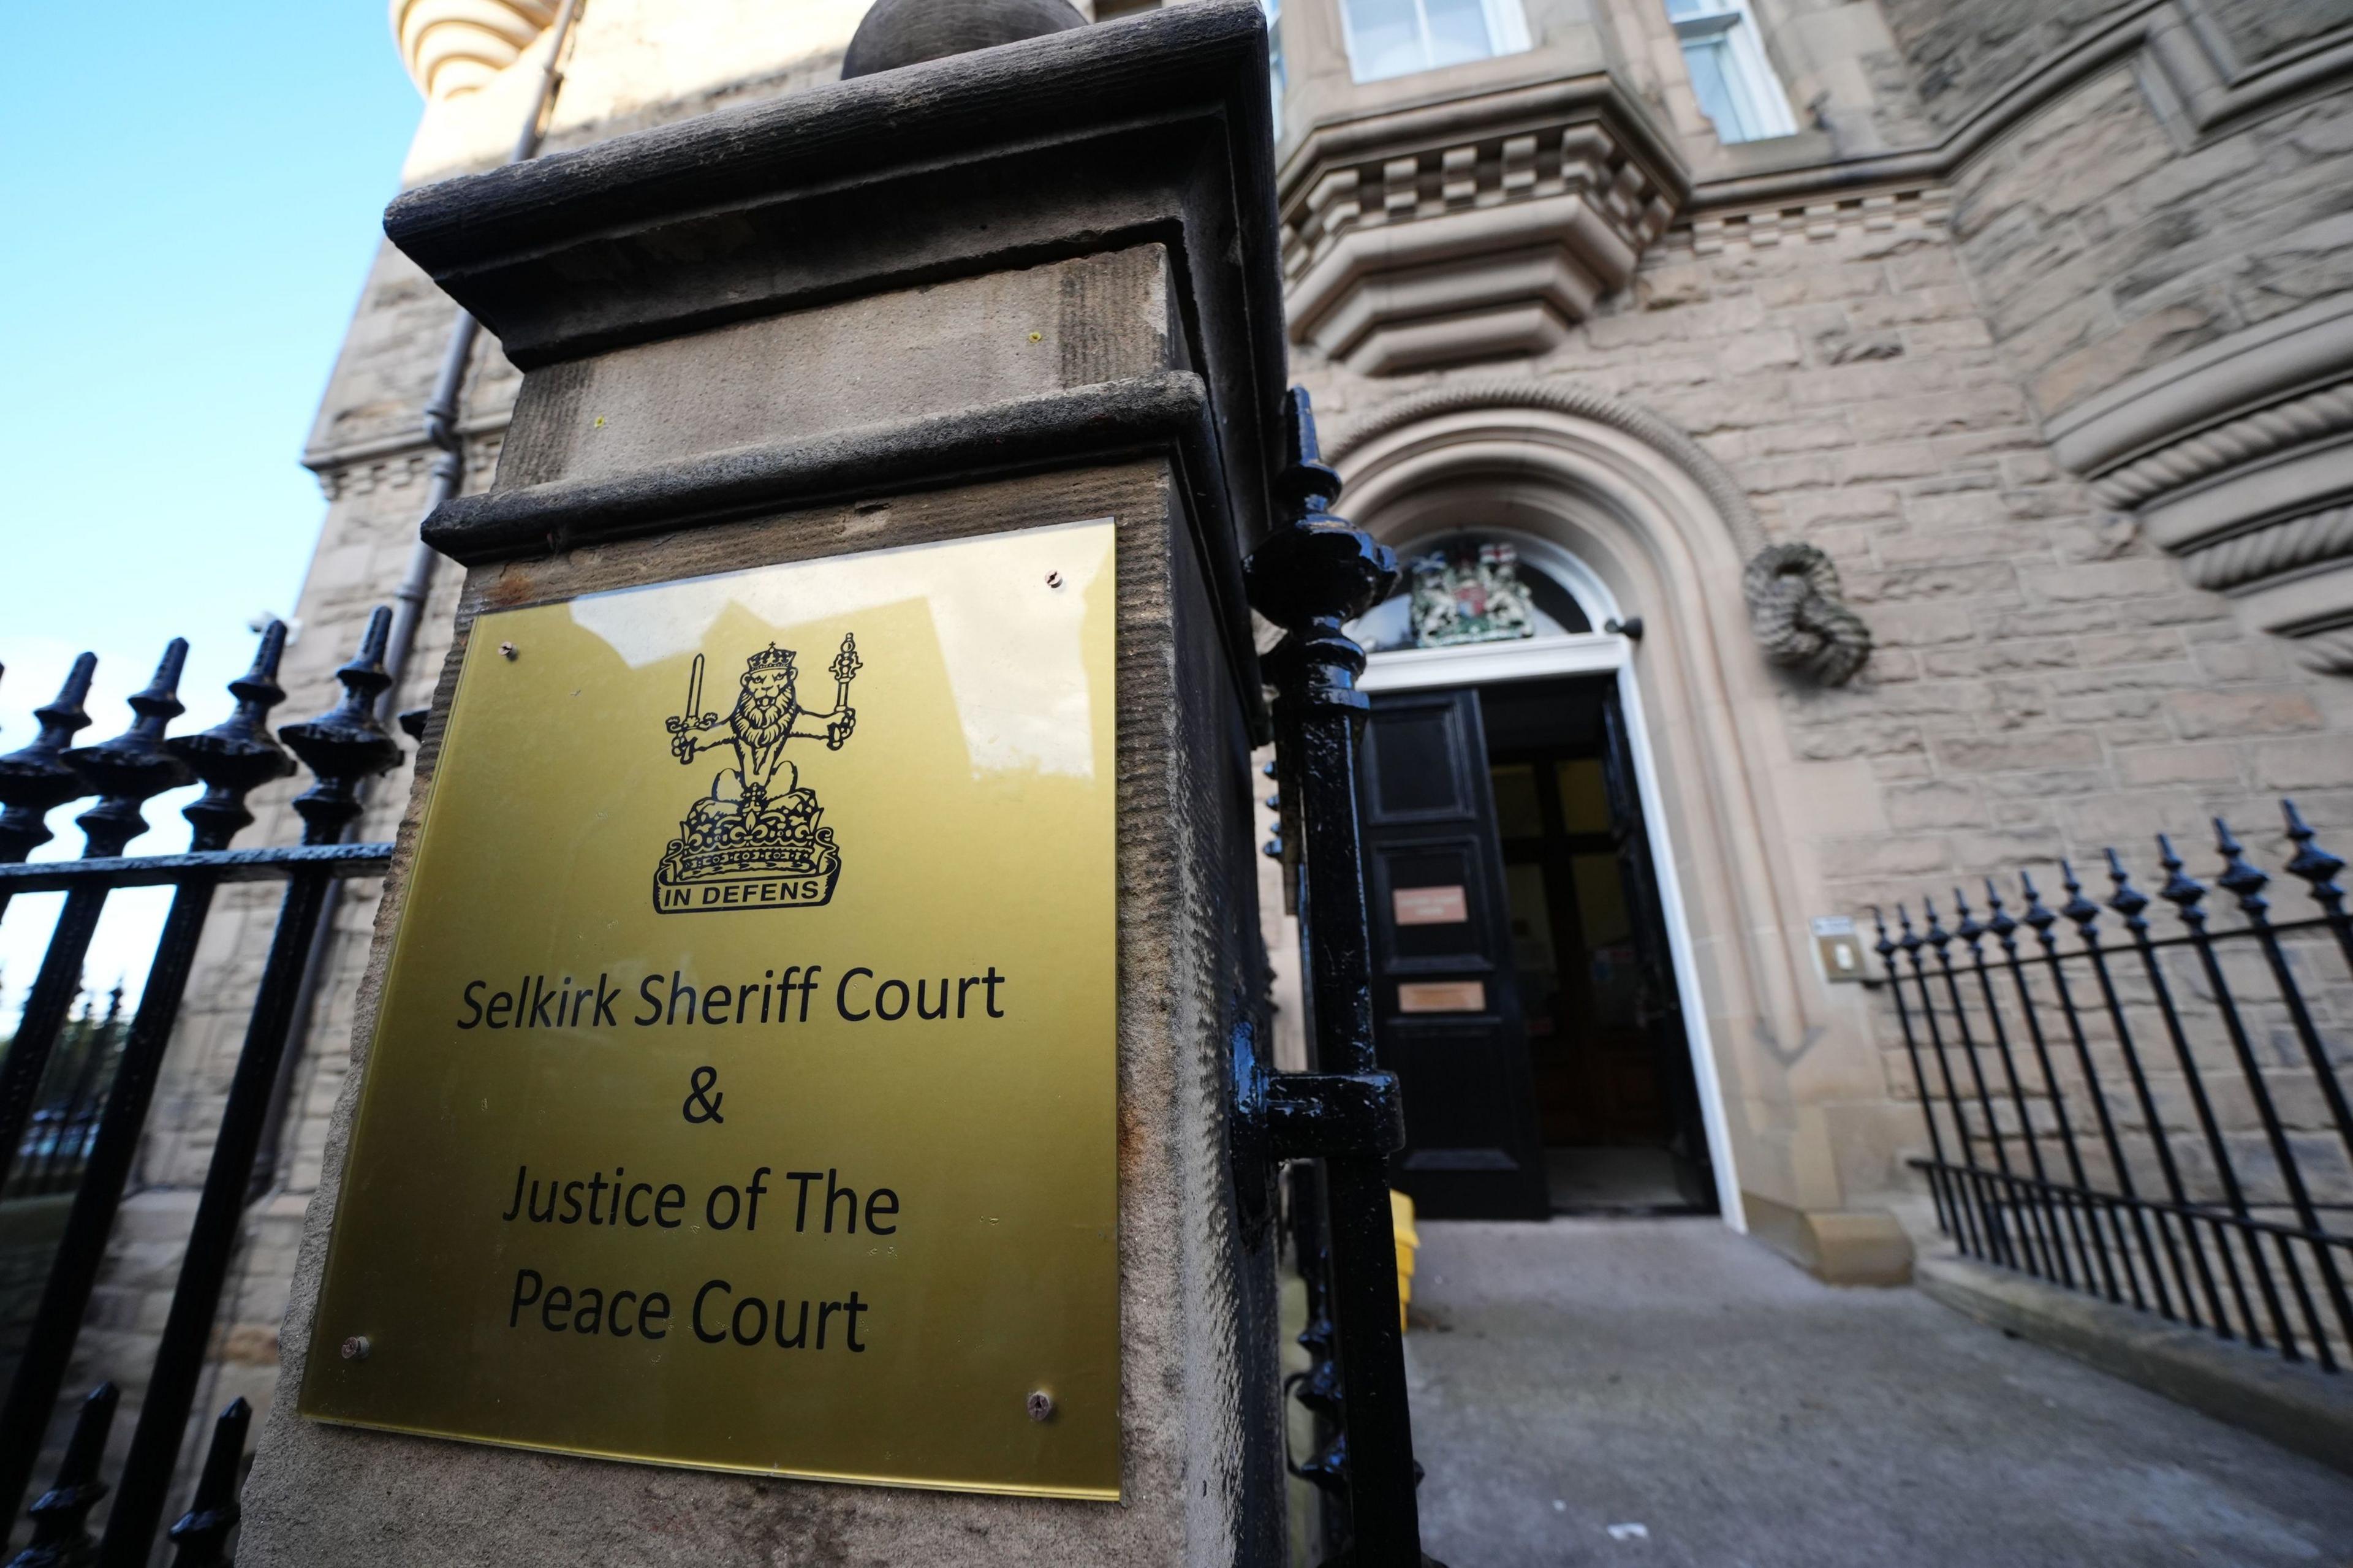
742,1094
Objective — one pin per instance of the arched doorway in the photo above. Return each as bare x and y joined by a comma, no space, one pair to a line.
1635,520
1533,972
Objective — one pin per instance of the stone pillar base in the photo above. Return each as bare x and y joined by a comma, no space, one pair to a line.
1838,1246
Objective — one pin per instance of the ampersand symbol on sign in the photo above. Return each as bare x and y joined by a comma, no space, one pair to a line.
701,1105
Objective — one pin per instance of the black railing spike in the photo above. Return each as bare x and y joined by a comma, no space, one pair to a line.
2242,880
135,765
60,1536
1939,937
2181,890
201,1535
2040,918
1967,928
347,743
2318,869
2004,928
239,754
2128,901
35,779
1885,947
2079,908
2311,863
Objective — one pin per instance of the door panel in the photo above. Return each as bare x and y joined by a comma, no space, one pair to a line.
1446,1003
1657,1001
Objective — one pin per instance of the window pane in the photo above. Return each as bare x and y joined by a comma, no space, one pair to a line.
1710,67
1387,39
1458,31
1584,795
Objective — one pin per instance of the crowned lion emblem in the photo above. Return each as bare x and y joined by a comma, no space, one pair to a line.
755,840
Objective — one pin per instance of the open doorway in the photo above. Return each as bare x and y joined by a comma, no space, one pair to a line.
1609,1070
1525,990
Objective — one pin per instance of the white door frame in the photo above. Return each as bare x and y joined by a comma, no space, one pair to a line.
1594,653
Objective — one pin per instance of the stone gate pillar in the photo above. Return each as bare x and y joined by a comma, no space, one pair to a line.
858,606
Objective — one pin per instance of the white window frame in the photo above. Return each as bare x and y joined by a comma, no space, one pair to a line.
1507,34
1756,90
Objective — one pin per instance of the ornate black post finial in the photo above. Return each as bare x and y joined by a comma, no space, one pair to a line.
239,754
1317,571
60,1537
201,1533
135,765
346,744
34,779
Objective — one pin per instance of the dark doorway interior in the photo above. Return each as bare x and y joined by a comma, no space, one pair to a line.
1609,1068
1524,988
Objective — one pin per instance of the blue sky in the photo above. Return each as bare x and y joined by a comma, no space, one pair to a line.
189,197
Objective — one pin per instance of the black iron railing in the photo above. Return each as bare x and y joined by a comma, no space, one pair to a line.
2155,1117
89,1092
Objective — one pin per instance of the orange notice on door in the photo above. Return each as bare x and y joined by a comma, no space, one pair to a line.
1430,906
1442,996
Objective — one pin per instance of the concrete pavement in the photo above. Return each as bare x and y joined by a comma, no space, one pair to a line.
1669,1374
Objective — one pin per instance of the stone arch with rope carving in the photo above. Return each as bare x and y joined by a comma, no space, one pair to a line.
1791,589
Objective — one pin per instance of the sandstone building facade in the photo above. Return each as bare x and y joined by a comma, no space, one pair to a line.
1960,396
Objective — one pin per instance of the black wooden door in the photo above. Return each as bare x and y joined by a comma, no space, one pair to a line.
1446,1006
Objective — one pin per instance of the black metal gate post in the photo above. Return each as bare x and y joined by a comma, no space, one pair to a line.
233,759
1309,578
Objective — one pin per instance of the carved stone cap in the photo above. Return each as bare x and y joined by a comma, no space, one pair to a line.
1472,228
1086,140
1151,130
454,47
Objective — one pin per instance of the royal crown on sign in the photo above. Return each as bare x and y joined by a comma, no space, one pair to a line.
771,657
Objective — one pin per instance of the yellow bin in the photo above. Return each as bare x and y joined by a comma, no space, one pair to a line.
1408,1240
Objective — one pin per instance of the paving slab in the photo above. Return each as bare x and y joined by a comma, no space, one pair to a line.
1653,1392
